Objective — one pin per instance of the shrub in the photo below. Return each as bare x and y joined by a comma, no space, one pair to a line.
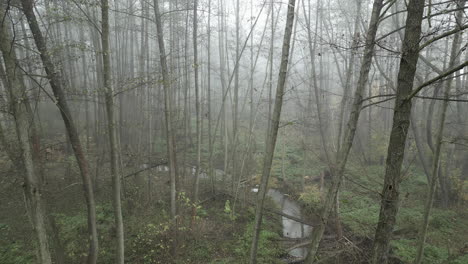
311,196
151,244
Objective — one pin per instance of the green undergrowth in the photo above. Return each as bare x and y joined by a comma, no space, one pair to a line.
207,234
405,250
268,250
360,205
13,251
72,231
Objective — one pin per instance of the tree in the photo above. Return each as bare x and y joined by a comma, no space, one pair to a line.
168,112
349,73
60,99
109,94
197,99
19,104
235,118
399,132
439,137
345,147
273,130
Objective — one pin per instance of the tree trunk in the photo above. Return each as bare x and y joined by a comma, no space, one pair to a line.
187,113
349,74
197,100
85,88
61,101
312,51
113,144
273,130
168,113
270,57
342,155
18,100
439,137
399,132
420,149
210,136
234,172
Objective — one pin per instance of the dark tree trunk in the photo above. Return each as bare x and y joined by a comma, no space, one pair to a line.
399,132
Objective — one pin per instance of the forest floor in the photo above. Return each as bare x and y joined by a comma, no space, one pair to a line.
220,232
216,233
359,209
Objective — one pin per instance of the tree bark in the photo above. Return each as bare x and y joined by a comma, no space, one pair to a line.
210,136
349,74
399,132
197,100
270,57
111,129
273,130
168,113
439,137
18,100
342,155
235,118
312,50
60,99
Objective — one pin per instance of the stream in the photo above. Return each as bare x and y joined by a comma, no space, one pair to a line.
291,228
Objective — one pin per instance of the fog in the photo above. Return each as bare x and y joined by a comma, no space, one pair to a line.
135,131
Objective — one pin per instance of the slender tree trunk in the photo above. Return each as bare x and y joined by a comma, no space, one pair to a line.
318,103
18,100
85,89
439,137
251,77
399,132
210,139
270,79
61,101
312,51
420,148
222,62
36,129
430,111
342,155
168,113
349,73
235,115
273,130
197,99
113,144
187,113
